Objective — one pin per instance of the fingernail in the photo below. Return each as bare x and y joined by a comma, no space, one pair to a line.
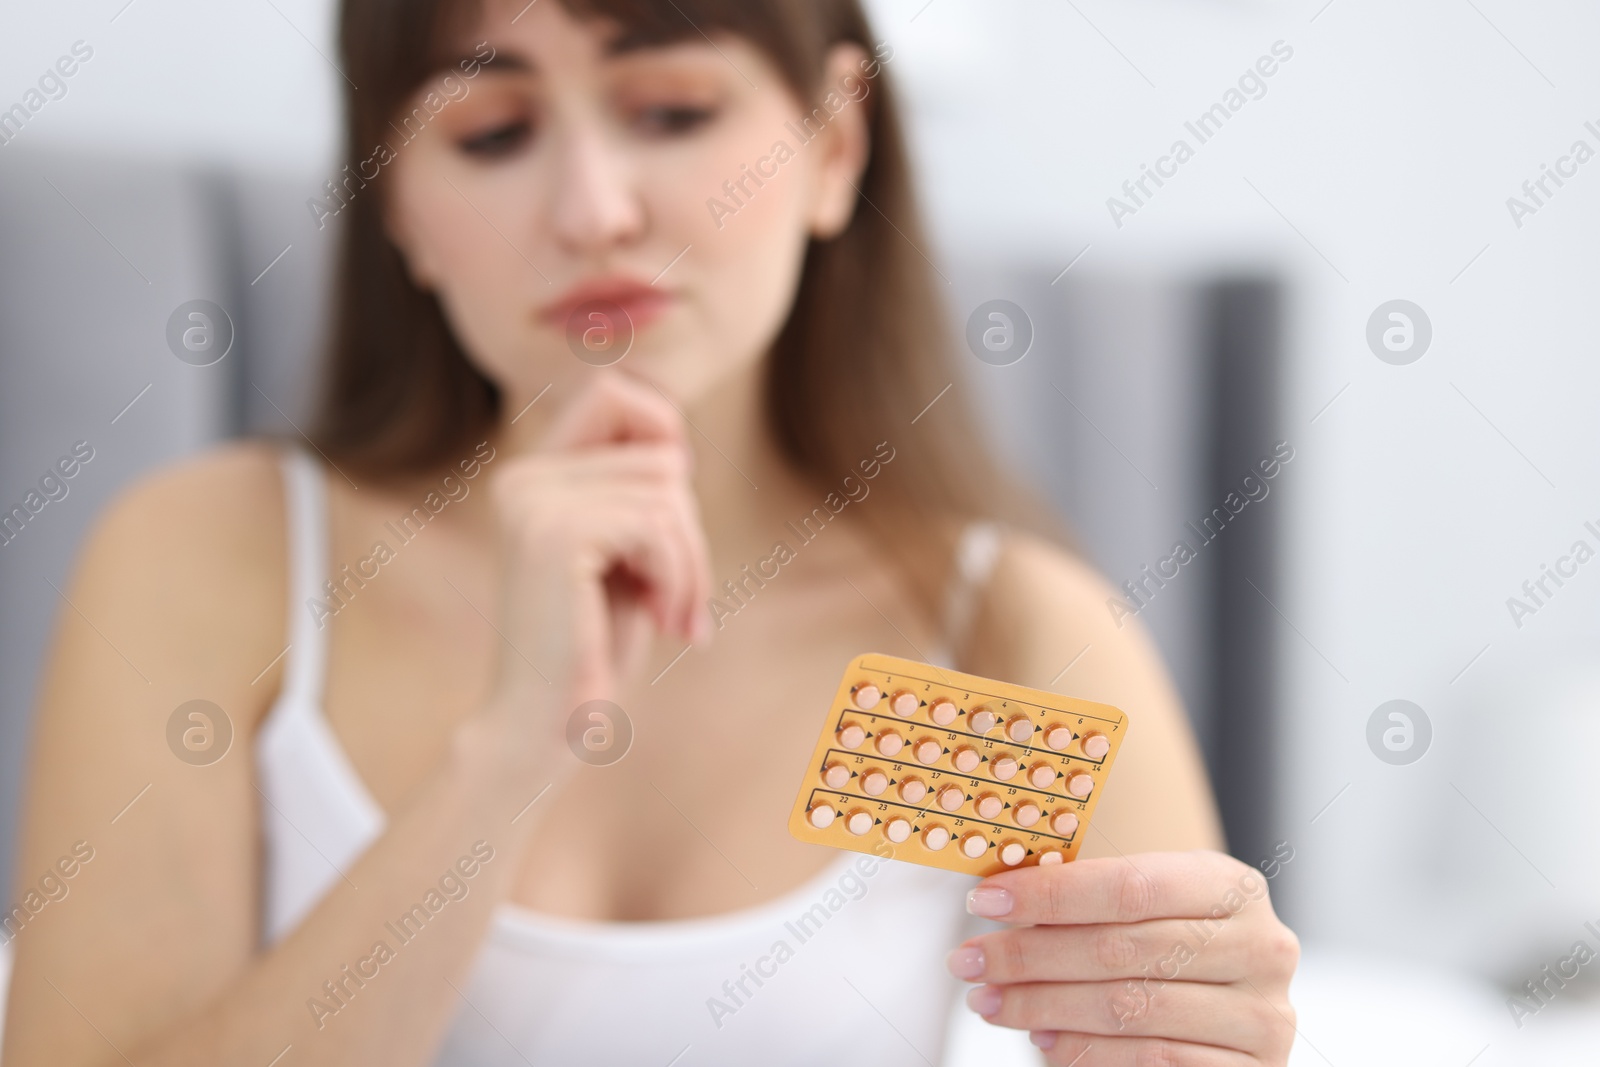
966,962
989,901
1043,1038
985,1000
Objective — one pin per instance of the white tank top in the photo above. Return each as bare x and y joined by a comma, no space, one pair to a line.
848,966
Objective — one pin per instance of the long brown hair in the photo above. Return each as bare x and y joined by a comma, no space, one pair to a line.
866,347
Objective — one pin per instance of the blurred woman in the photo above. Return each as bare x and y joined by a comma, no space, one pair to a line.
632,306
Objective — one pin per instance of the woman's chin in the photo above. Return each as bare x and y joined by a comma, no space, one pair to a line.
687,378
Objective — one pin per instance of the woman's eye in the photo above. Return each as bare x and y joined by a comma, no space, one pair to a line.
497,141
674,119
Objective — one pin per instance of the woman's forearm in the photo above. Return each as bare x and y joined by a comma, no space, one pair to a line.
377,970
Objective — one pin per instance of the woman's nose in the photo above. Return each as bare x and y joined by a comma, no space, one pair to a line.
596,202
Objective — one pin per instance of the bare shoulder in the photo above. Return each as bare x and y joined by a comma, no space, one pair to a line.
197,549
177,594
234,487
1046,621
1045,611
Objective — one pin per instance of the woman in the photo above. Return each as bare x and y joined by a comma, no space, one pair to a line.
406,853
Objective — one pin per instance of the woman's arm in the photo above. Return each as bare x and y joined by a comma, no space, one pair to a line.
152,952
1128,955
1045,610
153,956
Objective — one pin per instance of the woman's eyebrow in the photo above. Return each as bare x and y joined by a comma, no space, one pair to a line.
641,38
509,62
621,43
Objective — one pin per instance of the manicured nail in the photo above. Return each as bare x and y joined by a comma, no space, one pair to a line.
1043,1038
989,901
985,1000
966,962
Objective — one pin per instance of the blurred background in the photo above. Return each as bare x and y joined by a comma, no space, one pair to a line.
1243,308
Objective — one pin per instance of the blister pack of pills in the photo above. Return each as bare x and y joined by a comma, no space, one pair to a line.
953,770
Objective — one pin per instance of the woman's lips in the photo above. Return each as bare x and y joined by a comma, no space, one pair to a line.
642,304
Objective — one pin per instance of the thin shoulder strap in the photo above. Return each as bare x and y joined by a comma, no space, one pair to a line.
307,511
977,552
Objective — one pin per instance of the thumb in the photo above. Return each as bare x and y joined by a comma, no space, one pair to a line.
614,409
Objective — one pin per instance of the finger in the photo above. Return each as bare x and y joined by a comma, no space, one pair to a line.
676,524
1232,1016
609,508
664,570
1198,950
629,461
615,408
660,472
538,484
1152,885
1208,1014
1097,1050
697,619
639,529
557,498
619,531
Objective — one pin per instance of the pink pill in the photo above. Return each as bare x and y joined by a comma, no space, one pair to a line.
1058,737
873,783
858,822
1027,813
897,830
1052,856
943,712
1004,768
1040,775
851,735
913,790
935,838
835,775
1080,785
904,704
981,720
988,805
974,845
1095,746
1064,823
928,751
821,816
890,743
966,759
1012,853
866,695
1019,729
951,798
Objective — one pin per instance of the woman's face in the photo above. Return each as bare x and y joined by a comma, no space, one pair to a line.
577,182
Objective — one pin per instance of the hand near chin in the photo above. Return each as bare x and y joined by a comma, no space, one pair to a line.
1163,957
603,547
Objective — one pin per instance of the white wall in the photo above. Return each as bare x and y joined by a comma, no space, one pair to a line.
1390,141
189,79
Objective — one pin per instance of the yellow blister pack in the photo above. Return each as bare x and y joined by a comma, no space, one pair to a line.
953,770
